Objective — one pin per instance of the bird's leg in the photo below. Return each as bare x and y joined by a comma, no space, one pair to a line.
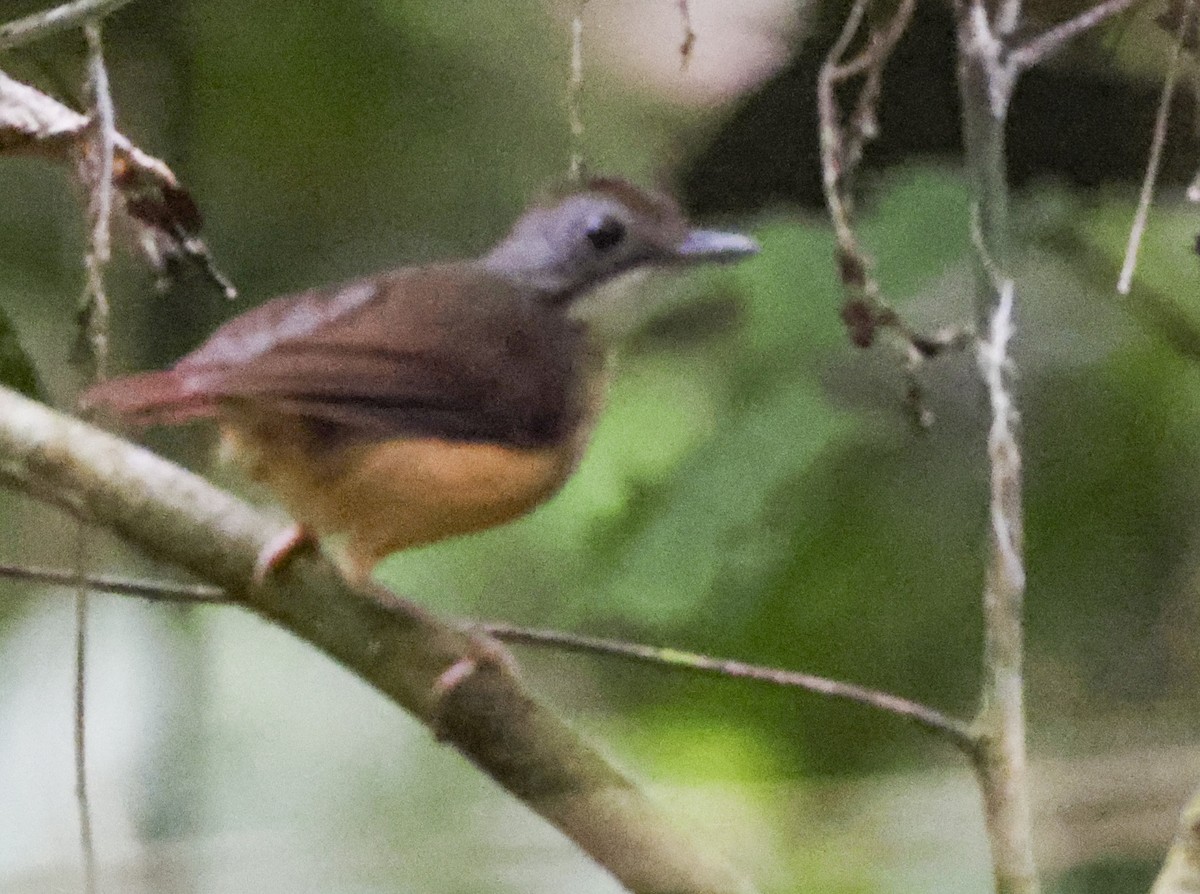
465,687
483,651
281,548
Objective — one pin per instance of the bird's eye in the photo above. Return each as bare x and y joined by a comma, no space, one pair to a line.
605,233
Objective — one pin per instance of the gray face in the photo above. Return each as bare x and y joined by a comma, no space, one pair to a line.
567,249
582,242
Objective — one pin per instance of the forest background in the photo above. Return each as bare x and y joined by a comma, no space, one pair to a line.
756,490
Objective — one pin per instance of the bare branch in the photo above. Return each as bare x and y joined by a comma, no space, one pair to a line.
51,21
841,146
202,594
923,716
1034,52
1008,18
1181,870
986,84
864,311
391,643
575,94
154,591
97,167
1140,218
87,840
689,34
1002,769
1006,572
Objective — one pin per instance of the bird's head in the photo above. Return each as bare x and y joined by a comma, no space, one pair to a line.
566,246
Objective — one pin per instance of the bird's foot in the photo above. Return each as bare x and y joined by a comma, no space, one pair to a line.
281,548
450,679
483,653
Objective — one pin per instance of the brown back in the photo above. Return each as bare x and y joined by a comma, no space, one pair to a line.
442,351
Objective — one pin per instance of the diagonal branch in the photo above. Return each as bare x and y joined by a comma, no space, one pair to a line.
1157,142
396,646
154,591
1038,49
927,718
1181,871
51,21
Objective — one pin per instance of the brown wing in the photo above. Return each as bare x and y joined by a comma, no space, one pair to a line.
438,351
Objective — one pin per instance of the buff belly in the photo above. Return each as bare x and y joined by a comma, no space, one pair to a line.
392,495
385,496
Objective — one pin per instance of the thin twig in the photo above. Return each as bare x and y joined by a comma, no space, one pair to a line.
203,594
97,164
842,148
107,129
51,21
832,168
1037,50
98,171
87,842
864,311
1008,18
154,591
994,364
575,94
1180,873
1138,229
986,84
689,34
924,716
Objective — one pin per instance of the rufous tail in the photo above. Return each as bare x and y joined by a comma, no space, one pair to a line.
163,397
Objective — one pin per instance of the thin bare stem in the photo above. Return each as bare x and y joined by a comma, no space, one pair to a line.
864,311
203,594
842,147
689,34
1008,17
87,841
924,716
98,167
106,127
51,21
1006,572
986,84
154,591
575,94
1138,229
833,171
1037,50
1181,870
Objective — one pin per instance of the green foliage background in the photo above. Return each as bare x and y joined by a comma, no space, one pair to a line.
755,489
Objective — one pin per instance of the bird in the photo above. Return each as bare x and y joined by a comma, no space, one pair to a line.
431,401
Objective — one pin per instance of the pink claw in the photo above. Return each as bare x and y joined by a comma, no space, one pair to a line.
280,549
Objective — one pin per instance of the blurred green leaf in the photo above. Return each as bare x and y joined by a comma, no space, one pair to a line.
712,514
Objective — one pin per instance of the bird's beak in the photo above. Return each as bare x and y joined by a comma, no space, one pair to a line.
711,245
